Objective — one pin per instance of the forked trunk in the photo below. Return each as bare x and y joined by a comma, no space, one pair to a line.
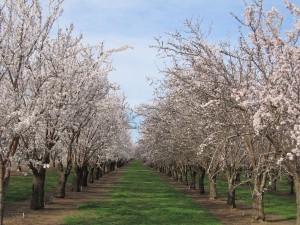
37,196
212,187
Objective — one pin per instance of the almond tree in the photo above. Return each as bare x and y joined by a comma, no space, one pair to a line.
272,59
238,90
98,138
24,28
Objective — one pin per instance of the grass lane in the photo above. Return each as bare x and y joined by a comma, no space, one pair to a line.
141,197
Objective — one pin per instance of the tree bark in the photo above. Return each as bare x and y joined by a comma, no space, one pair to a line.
5,165
186,176
92,175
201,173
76,184
175,174
212,187
2,191
292,184
231,193
193,180
61,190
85,176
104,168
63,177
37,196
273,179
258,196
297,191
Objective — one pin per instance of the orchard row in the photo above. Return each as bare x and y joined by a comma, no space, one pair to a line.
56,103
230,107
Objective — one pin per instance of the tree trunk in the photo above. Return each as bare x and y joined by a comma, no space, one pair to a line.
212,187
85,176
231,193
2,191
193,180
63,177
258,206
76,184
109,167
97,173
273,179
175,174
106,165
91,175
180,177
292,184
297,191
104,168
5,165
61,189
201,174
53,163
37,196
258,196
160,168
186,176
169,172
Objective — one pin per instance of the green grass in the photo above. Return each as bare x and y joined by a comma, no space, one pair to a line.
141,197
276,203
19,187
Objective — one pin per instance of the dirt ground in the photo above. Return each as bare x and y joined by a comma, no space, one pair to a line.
56,209
239,216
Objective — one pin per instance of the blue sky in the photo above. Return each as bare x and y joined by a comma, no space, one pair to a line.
137,23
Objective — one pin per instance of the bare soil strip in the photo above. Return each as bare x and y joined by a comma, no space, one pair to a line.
56,209
218,208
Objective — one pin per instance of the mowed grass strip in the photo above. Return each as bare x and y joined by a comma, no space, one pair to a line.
141,197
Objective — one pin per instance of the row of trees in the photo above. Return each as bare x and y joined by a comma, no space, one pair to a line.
55,99
230,108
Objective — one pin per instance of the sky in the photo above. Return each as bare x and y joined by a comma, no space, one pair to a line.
137,23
